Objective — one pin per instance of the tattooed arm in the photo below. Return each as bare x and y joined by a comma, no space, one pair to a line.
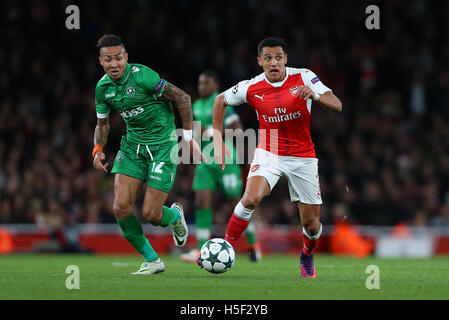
100,139
101,132
183,103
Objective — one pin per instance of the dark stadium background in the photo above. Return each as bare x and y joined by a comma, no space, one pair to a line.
384,160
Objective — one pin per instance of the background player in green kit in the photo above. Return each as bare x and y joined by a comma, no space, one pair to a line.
209,177
149,150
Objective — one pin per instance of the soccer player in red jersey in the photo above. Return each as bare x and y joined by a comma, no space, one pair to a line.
282,97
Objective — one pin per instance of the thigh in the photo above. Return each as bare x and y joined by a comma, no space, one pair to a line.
161,168
128,163
266,165
303,180
257,187
126,189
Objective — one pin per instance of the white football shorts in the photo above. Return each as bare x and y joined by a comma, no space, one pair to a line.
301,173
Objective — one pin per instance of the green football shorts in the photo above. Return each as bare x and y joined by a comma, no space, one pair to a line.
209,176
153,163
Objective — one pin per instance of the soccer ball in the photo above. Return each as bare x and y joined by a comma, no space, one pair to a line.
217,255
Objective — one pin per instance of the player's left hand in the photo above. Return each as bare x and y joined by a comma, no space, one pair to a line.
305,92
195,150
220,151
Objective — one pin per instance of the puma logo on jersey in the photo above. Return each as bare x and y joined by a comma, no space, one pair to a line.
260,97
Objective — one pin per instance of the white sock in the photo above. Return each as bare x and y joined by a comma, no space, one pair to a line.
242,212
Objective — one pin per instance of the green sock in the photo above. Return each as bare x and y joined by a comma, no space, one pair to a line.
203,223
250,233
169,215
133,232
148,252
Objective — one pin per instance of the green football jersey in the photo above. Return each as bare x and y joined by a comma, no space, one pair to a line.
137,96
203,112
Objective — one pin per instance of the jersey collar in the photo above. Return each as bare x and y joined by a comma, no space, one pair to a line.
125,76
277,84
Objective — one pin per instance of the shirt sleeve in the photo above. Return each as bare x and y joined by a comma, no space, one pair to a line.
152,82
236,95
102,108
312,81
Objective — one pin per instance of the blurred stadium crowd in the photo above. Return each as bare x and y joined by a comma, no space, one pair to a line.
384,160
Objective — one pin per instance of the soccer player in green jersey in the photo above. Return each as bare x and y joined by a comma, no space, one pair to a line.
210,176
149,150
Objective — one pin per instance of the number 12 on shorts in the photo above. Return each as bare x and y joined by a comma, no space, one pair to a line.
157,168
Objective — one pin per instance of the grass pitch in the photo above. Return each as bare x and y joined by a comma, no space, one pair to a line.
276,277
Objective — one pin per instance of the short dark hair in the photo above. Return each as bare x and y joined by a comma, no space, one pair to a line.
212,74
109,40
271,42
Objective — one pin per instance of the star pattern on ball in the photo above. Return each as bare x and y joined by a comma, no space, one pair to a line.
228,263
218,254
225,246
213,258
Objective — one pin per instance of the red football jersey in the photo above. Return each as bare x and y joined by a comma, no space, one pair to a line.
284,118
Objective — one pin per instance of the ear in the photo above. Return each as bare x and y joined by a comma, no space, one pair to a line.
100,59
259,61
285,59
125,56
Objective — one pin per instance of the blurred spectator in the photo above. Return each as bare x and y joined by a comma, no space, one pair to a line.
345,239
441,219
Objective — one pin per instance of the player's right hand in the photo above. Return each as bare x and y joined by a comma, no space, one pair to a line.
98,162
305,92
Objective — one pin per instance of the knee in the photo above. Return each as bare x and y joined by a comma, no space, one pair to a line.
250,201
152,215
121,210
312,225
